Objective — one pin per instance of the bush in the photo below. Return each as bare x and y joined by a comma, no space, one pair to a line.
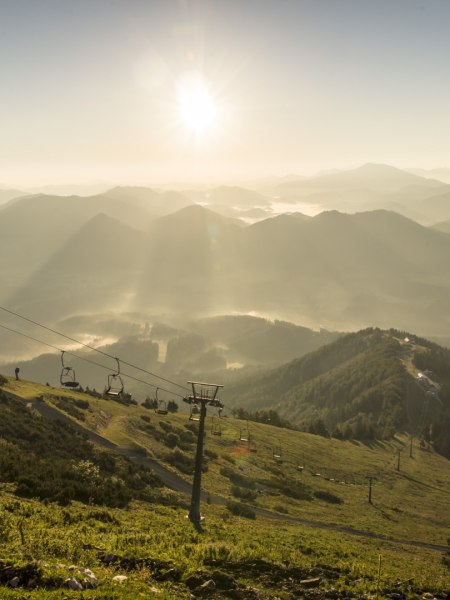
181,461
172,440
210,454
328,497
83,404
240,510
243,493
237,478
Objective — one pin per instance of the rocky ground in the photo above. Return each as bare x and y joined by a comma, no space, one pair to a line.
243,580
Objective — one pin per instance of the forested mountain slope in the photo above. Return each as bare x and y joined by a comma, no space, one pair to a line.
365,385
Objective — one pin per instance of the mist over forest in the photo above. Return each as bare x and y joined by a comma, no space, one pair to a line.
228,278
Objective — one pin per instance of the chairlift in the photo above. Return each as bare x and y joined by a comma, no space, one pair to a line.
115,383
277,454
244,435
160,405
194,414
215,427
67,377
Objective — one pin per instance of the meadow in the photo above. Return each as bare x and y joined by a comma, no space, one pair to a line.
396,544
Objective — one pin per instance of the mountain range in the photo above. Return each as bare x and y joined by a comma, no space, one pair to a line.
152,252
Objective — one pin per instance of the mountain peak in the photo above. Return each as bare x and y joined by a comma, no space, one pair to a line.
196,213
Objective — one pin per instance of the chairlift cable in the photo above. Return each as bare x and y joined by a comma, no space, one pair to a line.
67,337
88,360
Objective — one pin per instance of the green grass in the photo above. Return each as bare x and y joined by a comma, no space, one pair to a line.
409,505
56,535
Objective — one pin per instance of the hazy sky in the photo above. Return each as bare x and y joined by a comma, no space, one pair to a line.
92,90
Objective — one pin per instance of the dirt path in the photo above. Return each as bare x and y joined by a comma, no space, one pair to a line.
178,484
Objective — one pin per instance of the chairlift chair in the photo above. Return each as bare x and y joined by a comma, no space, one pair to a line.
215,427
115,384
160,405
244,435
277,455
67,377
194,414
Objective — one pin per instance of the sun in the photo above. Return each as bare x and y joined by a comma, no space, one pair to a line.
196,104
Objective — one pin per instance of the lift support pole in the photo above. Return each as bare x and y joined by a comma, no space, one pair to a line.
204,394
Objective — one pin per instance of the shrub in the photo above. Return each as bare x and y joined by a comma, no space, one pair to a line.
243,493
210,454
172,440
240,510
181,461
237,478
328,497
83,404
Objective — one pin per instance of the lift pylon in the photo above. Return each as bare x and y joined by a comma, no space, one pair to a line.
203,395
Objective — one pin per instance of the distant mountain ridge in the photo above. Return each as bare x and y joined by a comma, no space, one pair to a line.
369,176
336,270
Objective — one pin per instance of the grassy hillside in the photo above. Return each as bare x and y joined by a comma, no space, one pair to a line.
291,474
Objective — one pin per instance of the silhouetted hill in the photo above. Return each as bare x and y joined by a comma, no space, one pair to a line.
236,196
34,227
252,340
6,195
444,226
94,269
442,174
437,206
188,258
154,202
368,177
335,270
370,187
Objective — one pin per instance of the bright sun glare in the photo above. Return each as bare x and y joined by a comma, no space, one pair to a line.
197,108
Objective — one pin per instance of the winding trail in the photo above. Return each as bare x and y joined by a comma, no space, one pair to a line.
178,484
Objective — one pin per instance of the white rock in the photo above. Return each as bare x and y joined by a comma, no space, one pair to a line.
73,584
88,573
